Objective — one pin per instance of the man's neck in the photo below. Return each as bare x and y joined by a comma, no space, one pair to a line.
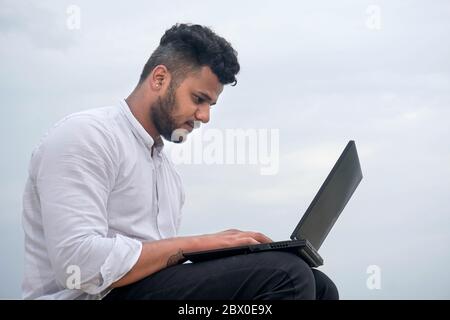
140,108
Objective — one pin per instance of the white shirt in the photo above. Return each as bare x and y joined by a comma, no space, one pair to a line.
93,195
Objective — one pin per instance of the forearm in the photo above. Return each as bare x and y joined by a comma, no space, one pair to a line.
160,254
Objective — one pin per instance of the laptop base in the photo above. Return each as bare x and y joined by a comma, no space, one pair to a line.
302,248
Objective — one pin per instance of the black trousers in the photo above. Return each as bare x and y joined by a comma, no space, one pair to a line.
261,276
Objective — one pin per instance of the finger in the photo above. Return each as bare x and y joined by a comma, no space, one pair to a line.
249,240
260,237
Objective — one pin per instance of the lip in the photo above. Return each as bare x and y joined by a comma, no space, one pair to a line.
190,127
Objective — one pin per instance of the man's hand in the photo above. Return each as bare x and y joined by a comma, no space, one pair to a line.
232,238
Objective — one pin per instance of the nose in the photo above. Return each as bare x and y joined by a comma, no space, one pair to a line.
202,113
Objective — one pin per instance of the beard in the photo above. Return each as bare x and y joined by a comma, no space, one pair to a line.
161,115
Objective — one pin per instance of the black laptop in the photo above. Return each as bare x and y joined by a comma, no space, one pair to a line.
317,221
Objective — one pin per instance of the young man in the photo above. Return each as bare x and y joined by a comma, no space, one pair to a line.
103,202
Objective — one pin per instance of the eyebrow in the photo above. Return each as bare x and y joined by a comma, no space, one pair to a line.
208,98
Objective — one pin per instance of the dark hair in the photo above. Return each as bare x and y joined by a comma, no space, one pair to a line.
185,48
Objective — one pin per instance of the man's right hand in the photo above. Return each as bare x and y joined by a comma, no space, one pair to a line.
230,238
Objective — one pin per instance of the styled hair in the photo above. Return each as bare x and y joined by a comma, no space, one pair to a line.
185,48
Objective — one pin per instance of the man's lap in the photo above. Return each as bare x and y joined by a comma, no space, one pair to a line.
236,277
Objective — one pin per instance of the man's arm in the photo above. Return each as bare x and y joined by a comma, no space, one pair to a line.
160,254
73,171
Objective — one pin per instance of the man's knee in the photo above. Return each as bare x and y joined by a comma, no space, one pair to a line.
325,287
295,271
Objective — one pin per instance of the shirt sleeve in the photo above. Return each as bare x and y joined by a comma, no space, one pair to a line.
76,171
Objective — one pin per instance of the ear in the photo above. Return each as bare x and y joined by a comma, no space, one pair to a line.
159,78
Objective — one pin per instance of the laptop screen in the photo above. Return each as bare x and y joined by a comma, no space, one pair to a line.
331,199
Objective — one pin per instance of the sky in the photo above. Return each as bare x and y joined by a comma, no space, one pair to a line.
315,75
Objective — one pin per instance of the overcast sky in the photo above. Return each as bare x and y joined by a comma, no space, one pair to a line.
377,72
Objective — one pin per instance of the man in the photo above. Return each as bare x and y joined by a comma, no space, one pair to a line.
102,204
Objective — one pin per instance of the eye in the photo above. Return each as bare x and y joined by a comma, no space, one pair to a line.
198,100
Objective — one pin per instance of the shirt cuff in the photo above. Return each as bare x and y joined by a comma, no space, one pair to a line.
123,256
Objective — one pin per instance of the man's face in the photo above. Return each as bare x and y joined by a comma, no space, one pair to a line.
191,101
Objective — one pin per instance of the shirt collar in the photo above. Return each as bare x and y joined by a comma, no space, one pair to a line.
139,130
